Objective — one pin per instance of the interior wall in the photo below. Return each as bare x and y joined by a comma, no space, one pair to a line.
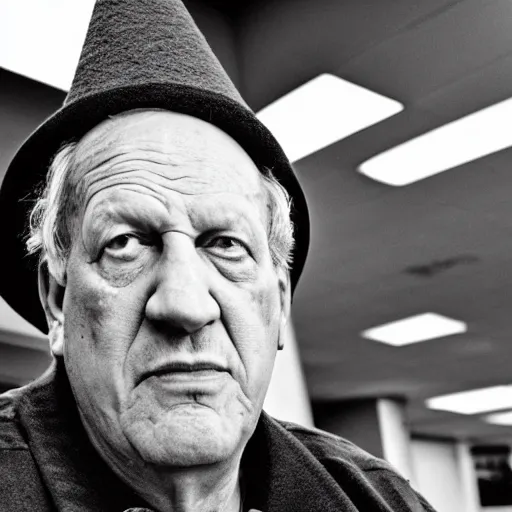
24,104
287,397
356,420
218,28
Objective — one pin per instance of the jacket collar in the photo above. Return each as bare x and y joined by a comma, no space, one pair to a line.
281,475
294,480
75,475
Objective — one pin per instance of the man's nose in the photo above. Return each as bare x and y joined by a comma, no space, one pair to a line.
182,298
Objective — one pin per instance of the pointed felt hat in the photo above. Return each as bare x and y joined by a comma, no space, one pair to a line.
137,54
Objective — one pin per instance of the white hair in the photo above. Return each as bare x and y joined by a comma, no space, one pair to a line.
52,219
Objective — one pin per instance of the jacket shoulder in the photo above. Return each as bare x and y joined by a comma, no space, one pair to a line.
11,437
324,445
347,463
21,488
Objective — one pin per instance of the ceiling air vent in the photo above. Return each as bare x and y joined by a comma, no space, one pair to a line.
436,267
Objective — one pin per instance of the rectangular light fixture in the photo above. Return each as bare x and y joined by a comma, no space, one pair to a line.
323,111
500,418
475,401
423,327
468,138
43,40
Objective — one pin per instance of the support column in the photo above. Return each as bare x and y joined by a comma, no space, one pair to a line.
395,437
445,474
375,425
468,477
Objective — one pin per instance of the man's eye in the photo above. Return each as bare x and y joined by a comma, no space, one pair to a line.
119,242
227,245
125,247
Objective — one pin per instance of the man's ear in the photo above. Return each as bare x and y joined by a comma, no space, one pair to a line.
285,297
51,295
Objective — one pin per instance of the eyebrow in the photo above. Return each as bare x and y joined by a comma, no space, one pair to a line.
141,211
145,211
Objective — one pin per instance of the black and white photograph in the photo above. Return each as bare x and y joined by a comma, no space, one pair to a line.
256,256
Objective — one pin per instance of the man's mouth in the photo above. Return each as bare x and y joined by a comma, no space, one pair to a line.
180,371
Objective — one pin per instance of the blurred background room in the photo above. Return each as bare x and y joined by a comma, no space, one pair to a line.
397,115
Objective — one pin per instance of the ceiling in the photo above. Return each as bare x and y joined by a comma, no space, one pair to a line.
442,59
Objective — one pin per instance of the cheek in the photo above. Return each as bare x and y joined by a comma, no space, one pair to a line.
88,311
101,322
266,302
251,314
255,330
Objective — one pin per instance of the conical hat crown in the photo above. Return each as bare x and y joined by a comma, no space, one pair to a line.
137,54
141,42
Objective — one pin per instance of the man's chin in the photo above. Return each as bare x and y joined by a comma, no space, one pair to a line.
186,435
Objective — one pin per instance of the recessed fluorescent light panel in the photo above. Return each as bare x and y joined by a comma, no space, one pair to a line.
414,329
475,401
500,418
471,137
323,111
42,40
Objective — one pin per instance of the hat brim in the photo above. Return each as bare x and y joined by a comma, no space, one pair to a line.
29,167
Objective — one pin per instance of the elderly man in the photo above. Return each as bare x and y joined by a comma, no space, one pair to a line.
164,240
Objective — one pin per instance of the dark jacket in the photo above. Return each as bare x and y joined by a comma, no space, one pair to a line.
48,464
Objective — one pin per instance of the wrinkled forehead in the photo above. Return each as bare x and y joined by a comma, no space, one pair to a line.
168,143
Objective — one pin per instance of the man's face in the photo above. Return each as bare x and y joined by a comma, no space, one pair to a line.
172,309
